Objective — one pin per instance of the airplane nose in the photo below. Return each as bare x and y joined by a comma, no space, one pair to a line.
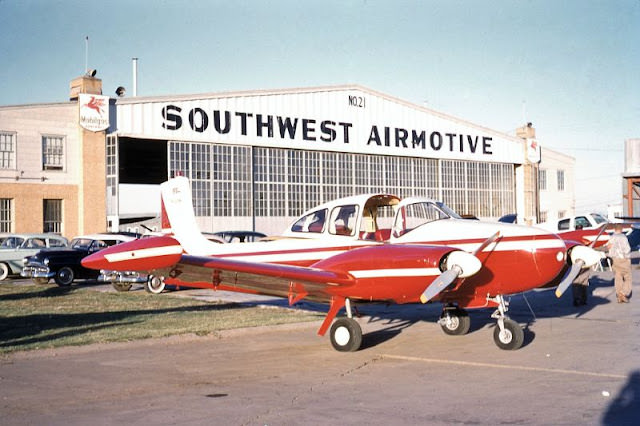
95,261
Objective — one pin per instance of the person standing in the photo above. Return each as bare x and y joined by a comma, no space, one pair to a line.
620,254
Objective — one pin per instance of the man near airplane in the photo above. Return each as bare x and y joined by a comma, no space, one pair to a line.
619,252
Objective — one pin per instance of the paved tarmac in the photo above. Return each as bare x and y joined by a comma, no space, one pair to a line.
578,366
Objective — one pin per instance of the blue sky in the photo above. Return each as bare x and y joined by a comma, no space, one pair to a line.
571,67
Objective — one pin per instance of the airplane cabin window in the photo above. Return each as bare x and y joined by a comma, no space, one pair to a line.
582,222
343,220
313,222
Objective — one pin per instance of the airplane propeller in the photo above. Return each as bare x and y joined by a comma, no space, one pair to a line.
581,257
460,264
569,277
467,263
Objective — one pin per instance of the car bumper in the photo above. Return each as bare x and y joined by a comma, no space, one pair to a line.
32,271
121,277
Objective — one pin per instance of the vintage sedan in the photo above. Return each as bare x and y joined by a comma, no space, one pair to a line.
63,265
15,247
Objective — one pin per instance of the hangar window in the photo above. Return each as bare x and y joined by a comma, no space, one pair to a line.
142,161
7,150
52,152
6,215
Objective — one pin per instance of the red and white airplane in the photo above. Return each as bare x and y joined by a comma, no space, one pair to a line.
361,249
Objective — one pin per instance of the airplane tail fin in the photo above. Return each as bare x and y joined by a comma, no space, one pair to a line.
178,214
165,223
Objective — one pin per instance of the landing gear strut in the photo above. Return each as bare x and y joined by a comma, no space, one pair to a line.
508,334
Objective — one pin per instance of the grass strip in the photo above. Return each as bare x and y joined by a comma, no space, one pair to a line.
38,317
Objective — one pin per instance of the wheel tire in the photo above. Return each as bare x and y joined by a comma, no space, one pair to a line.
40,281
512,338
64,277
154,285
458,322
4,271
346,335
121,286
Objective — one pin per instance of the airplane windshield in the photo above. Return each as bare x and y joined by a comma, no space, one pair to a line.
414,215
448,210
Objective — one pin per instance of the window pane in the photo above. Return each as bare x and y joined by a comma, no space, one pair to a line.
7,150
6,215
52,216
52,152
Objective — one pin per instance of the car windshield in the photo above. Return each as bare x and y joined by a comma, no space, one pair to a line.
81,243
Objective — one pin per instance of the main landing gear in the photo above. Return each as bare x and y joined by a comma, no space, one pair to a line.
346,333
507,335
454,321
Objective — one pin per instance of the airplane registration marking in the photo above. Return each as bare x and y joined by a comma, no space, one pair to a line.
502,366
143,253
407,272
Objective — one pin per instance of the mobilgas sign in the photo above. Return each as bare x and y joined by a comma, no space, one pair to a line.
339,120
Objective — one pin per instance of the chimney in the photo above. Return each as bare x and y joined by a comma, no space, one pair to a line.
87,83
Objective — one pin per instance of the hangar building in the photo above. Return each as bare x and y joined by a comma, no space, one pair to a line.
258,159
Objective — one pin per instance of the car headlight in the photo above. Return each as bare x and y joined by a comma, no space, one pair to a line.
46,261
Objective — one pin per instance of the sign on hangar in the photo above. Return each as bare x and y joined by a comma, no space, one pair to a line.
350,119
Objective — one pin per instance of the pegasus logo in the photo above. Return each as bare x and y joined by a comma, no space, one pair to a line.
95,104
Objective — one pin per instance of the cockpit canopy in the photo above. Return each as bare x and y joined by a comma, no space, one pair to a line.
369,217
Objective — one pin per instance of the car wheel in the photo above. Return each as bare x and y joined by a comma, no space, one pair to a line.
154,285
40,281
4,271
121,286
64,277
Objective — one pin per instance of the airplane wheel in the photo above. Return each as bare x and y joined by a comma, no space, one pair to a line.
154,285
64,277
457,323
4,271
511,338
121,286
346,335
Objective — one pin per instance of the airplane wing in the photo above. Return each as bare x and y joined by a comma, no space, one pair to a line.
264,278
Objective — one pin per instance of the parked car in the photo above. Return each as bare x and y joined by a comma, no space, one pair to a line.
15,247
509,218
63,264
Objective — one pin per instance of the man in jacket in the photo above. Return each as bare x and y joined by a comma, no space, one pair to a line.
619,252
